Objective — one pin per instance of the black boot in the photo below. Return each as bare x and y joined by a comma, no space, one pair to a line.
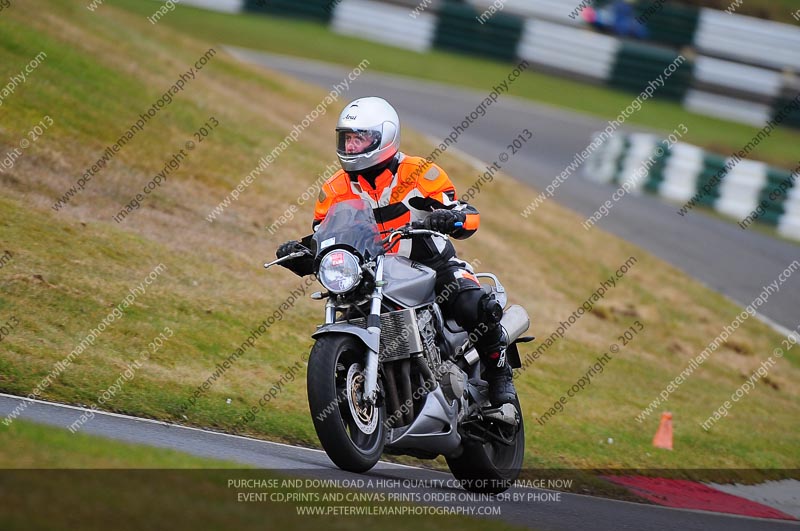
500,380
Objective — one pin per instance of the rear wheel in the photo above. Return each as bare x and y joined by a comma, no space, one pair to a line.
492,466
351,431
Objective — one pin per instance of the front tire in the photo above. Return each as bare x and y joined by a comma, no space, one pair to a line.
351,433
492,467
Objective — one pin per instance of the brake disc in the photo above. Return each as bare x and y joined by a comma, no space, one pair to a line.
365,415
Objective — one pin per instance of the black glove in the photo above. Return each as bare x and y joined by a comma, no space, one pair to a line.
302,265
444,221
292,246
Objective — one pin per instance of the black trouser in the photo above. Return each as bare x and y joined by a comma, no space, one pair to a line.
464,300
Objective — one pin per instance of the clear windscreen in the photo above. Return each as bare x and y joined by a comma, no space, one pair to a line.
350,223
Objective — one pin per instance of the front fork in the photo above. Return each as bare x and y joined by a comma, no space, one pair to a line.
373,329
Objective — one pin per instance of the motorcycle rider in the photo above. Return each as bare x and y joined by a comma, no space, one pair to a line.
402,189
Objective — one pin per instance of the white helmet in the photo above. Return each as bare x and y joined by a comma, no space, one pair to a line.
372,119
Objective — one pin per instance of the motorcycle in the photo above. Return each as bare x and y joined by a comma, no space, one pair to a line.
389,374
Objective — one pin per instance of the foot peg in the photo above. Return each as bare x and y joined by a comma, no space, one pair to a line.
506,413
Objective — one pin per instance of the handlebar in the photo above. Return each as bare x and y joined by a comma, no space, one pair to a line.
421,225
412,229
296,254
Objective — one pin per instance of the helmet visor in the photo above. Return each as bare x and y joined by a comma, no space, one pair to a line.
357,141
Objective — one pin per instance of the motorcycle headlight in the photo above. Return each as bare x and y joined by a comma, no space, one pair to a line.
339,271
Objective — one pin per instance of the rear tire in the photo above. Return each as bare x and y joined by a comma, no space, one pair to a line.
490,468
351,434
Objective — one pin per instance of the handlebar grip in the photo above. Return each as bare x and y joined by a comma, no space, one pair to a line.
421,225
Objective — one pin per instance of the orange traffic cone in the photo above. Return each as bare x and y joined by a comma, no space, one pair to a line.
663,438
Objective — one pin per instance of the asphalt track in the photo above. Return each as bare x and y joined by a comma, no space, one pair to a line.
718,253
570,512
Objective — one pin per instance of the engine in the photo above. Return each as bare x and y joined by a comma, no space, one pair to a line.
427,331
451,378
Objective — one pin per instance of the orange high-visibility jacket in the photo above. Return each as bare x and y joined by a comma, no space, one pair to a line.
408,190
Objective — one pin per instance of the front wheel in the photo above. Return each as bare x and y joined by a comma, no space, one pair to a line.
491,467
351,431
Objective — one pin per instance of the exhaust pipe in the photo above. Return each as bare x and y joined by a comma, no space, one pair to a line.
392,397
405,390
515,322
